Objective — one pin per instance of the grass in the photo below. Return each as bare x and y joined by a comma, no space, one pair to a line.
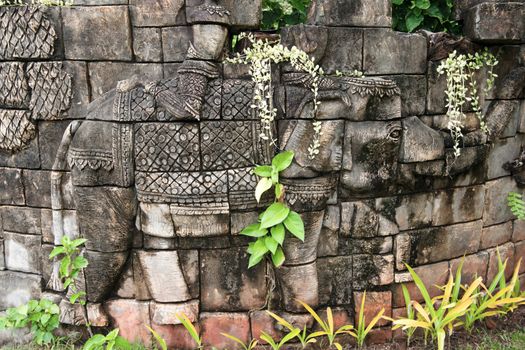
505,340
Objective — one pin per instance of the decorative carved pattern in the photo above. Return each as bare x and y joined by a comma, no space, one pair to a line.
25,32
51,90
167,147
227,144
16,130
142,105
14,92
309,194
183,189
93,159
373,87
212,100
122,140
241,189
237,99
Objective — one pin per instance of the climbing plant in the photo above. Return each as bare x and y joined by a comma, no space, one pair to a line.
435,15
279,13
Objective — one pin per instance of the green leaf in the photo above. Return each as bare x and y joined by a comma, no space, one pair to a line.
263,171
271,244
278,190
122,343
254,230
44,318
112,335
94,342
278,257
282,160
397,2
57,251
254,260
259,247
413,20
264,185
422,4
78,242
278,233
158,338
295,225
65,263
274,215
80,262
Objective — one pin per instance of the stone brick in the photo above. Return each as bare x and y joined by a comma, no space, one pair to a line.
496,235
49,135
372,270
358,220
413,93
358,13
432,275
21,220
506,252
245,14
147,45
176,337
389,52
176,41
329,238
420,143
509,57
412,211
474,266
26,158
164,314
2,255
213,324
11,187
22,252
496,23
238,221
261,321
503,151
105,75
343,50
518,232
335,280
496,211
374,303
108,37
520,254
37,186
231,287
18,288
157,13
458,205
79,89
130,316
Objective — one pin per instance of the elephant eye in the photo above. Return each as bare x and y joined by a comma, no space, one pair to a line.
395,134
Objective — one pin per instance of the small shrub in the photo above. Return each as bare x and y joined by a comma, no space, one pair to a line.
362,328
435,15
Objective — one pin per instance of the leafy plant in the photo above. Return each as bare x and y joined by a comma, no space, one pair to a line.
280,13
250,346
411,315
328,329
191,329
71,265
273,223
108,342
441,315
363,329
276,346
516,205
462,87
435,15
41,316
302,334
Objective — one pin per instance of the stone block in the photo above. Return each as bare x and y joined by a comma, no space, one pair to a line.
420,143
176,337
432,275
79,89
22,252
2,255
163,314
104,76
155,220
299,252
496,23
413,93
343,50
239,220
518,233
474,266
102,273
108,37
21,219
503,151
73,314
374,303
147,45
329,238
130,316
358,13
27,158
496,211
245,14
157,13
508,81
335,280
298,283
411,211
377,245
372,271
170,286
458,205
231,287
49,135
11,187
37,186
175,43
18,288
519,256
496,235
506,252
389,52
213,324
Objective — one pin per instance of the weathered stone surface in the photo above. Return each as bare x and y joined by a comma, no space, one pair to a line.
245,14
176,337
213,324
420,143
378,245
310,38
49,136
328,240
73,314
458,205
518,255
498,116
175,43
507,84
389,52
109,35
298,283
343,50
413,93
335,280
358,220
500,23
231,287
503,151
21,219
496,235
18,288
163,314
157,13
474,266
360,13
506,252
238,221
518,233
37,185
2,255
147,45
496,195
105,75
298,252
372,270
22,252
11,187
130,316
14,91
374,303
409,212
155,220
440,243
26,158
158,243
102,272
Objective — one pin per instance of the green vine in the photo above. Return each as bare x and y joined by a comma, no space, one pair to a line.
435,15
270,230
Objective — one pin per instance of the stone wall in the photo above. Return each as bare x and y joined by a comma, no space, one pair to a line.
54,61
